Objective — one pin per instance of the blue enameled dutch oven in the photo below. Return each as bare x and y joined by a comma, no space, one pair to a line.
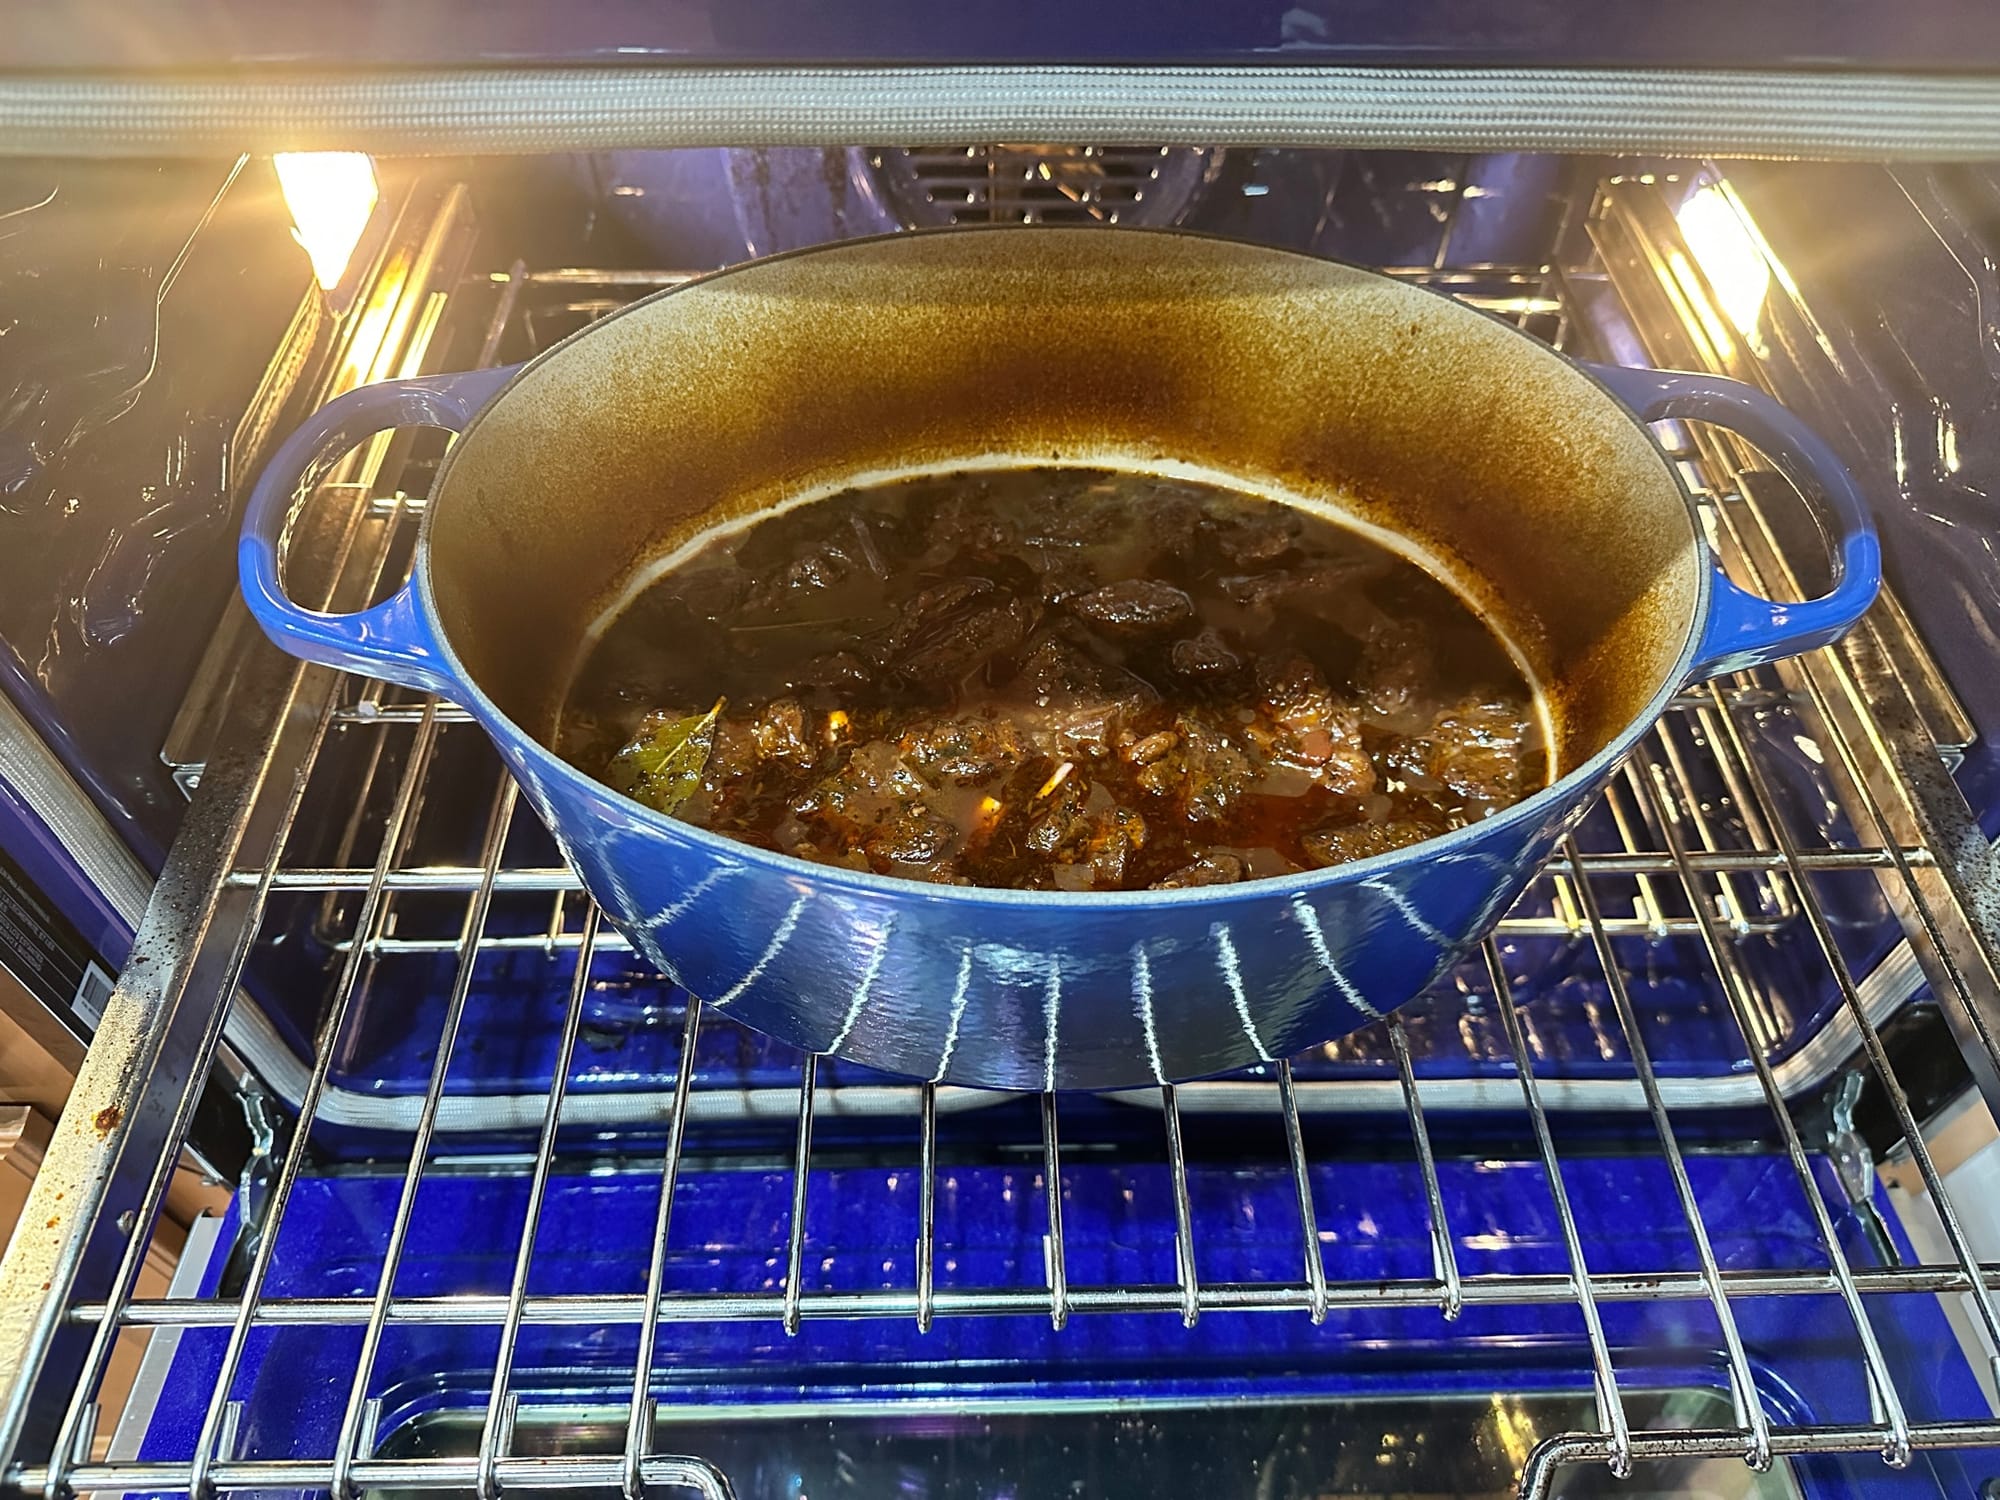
1527,480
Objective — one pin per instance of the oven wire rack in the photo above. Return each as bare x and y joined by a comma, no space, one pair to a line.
68,1297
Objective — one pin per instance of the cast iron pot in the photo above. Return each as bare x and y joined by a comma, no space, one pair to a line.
1529,481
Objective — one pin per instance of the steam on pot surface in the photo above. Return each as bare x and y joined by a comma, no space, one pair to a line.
1056,678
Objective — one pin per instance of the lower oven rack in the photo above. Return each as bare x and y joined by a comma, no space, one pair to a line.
1761,837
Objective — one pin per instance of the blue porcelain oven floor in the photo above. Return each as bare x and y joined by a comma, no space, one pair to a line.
1391,1394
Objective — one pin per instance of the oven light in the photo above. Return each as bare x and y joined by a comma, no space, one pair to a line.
1729,254
331,195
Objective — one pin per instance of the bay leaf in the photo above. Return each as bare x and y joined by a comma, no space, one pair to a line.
663,766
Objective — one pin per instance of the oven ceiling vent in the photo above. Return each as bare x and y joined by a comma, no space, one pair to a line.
1133,185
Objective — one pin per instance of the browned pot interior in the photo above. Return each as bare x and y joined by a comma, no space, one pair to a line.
1515,476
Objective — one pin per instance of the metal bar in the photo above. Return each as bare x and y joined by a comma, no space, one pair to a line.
927,1208
554,1472
554,940
538,878
156,1026
1610,1406
1463,174
1059,1300
491,1448
638,1424
598,276
1742,1381
1862,689
1896,1450
503,313
1763,1005
1183,1214
79,1417
1646,907
1736,911
350,832
795,1249
1878,1055
474,1309
1295,1150
1554,1453
1443,1257
347,1446
323,1043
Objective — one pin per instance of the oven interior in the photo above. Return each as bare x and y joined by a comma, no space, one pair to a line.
1654,1183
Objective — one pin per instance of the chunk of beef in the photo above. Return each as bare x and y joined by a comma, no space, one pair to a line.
911,834
1395,666
836,670
1064,577
876,802
1137,607
1210,869
1207,771
1144,751
1115,836
709,592
1081,826
960,645
1479,752
1311,728
1060,818
1076,703
964,522
728,778
924,612
1331,589
780,733
1205,659
1061,521
1260,538
1175,519
1338,844
1405,761
802,578
966,748
1261,590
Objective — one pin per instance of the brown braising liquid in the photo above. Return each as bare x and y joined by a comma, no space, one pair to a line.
1065,678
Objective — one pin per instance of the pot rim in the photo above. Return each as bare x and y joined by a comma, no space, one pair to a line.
1538,807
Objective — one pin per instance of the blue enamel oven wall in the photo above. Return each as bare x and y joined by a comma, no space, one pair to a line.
143,305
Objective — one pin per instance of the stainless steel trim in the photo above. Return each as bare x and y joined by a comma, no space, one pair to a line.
1677,112
203,1239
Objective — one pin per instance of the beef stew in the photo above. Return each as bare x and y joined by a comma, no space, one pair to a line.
1056,678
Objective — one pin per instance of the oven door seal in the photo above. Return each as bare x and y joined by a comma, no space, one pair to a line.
1682,112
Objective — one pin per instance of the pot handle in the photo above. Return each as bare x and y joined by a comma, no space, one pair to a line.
392,640
1745,629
